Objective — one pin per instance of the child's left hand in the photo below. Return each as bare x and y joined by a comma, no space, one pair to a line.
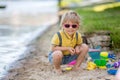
71,50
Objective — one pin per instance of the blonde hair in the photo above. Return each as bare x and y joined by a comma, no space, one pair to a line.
71,16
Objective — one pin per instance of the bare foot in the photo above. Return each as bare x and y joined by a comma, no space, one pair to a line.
58,71
76,68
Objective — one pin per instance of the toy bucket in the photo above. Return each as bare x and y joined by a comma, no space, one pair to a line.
94,53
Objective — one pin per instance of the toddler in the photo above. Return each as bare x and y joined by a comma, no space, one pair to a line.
66,44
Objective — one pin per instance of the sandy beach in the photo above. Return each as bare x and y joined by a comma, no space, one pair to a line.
35,65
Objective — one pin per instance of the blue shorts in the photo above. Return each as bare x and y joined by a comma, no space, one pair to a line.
66,59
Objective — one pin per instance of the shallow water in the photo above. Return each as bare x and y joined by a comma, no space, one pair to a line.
15,36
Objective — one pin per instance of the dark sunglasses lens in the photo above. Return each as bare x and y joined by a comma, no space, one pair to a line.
74,26
67,25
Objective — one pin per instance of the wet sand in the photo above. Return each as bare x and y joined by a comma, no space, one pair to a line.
35,65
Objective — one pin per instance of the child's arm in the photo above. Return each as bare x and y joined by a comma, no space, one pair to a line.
78,45
54,48
70,49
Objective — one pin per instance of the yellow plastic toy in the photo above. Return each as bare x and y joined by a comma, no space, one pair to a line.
104,55
68,68
91,65
102,67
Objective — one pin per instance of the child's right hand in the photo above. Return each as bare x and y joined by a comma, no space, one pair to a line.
71,50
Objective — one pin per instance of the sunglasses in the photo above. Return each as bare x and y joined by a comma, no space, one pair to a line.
68,26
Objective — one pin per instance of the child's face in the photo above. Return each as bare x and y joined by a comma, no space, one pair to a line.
70,27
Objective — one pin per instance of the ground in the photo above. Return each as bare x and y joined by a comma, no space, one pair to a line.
35,65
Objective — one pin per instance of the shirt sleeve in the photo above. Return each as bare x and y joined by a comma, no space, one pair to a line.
79,41
55,40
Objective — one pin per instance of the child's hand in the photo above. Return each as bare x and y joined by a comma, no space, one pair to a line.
71,50
77,49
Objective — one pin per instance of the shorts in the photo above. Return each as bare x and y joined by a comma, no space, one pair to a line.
66,59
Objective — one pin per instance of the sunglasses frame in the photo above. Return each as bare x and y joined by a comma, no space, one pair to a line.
68,26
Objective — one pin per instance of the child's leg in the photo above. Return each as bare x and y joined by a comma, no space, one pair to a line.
57,59
81,56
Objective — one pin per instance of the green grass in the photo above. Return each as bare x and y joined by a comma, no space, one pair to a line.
107,20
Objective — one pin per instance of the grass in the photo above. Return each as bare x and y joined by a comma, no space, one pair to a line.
66,3
106,20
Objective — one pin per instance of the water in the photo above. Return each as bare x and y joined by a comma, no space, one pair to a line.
30,6
15,36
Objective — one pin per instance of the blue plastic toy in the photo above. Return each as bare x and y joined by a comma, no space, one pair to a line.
112,56
112,71
108,65
94,53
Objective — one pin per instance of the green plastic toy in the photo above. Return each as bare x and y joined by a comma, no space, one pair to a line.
101,63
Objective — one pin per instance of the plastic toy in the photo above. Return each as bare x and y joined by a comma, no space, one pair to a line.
91,66
104,55
111,56
72,63
112,71
101,63
116,64
102,67
68,68
94,53
108,65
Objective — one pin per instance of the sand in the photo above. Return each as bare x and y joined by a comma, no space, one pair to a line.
35,65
